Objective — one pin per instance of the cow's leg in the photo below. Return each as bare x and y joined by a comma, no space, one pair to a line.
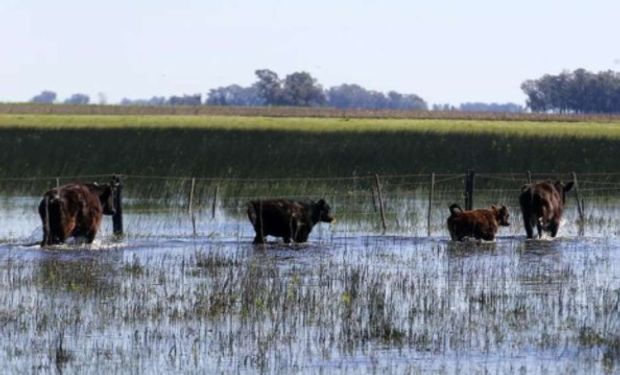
539,228
293,231
90,236
527,222
302,236
58,237
46,237
488,236
258,239
554,226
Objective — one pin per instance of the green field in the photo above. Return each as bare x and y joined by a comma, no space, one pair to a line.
245,146
318,125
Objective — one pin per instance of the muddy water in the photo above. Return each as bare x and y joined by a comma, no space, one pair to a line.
350,301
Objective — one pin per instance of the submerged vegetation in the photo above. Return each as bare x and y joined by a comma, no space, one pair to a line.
337,306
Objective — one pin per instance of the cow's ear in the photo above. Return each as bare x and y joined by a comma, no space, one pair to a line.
493,207
568,186
321,202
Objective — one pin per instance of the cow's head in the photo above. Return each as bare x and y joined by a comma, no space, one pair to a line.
321,210
107,196
501,215
562,189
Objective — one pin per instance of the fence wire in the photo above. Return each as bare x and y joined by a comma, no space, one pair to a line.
204,205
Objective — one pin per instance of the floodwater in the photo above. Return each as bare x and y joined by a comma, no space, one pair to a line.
350,301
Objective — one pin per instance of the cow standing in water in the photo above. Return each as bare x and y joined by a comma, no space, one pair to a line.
291,220
479,224
75,210
542,205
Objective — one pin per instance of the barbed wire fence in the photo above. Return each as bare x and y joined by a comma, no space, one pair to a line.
413,204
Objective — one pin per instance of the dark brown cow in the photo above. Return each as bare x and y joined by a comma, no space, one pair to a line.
479,224
75,210
291,220
542,205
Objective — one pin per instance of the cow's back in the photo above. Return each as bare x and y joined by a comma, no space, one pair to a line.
280,218
272,217
478,223
73,211
546,201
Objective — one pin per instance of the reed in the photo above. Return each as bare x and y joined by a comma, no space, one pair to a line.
235,146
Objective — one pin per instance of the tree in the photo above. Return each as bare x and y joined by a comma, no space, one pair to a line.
45,97
301,89
235,95
399,101
78,99
355,96
348,96
577,92
269,87
193,100
535,97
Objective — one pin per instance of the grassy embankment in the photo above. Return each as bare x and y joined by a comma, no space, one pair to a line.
218,146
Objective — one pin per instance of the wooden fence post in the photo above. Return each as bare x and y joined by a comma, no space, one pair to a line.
580,208
117,218
374,197
529,177
190,206
46,238
217,187
381,208
430,204
57,181
469,189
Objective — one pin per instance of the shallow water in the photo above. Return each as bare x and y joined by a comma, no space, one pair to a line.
349,301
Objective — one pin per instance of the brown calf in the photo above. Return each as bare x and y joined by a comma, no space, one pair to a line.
479,224
542,205
75,210
291,220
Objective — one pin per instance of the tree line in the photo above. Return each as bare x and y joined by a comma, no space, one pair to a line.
49,97
297,89
301,89
579,91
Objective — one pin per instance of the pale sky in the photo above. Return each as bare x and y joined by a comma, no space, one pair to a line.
446,51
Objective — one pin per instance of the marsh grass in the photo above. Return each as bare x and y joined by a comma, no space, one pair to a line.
228,146
233,307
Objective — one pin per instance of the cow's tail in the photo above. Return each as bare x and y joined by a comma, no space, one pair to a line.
542,212
455,209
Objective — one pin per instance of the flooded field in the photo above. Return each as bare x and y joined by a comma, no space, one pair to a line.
350,301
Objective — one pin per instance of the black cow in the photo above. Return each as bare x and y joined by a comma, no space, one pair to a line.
289,219
542,205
